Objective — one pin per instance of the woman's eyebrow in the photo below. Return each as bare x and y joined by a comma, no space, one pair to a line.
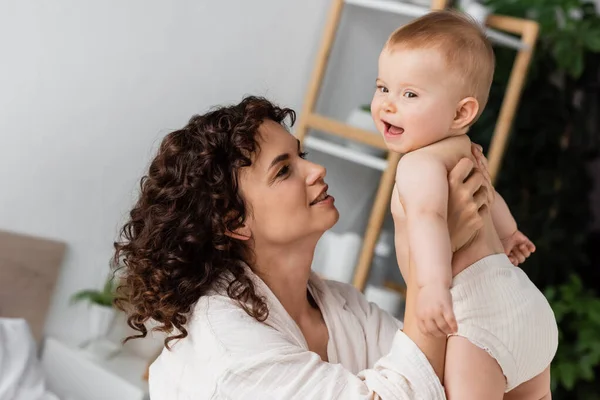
278,159
282,157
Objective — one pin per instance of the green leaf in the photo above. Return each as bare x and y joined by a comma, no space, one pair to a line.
576,64
561,51
567,375
104,297
108,286
586,368
592,40
84,295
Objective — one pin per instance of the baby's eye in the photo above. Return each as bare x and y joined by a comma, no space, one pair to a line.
409,95
382,89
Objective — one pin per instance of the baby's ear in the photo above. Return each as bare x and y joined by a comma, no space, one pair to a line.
466,111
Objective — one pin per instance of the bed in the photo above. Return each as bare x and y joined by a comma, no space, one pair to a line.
29,268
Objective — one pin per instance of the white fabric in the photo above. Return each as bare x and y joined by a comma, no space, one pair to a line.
21,376
501,311
229,355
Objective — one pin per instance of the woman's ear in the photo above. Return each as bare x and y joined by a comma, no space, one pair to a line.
466,111
242,233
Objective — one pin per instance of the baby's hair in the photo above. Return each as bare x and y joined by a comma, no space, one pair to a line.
463,44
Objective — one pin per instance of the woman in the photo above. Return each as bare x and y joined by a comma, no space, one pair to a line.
218,251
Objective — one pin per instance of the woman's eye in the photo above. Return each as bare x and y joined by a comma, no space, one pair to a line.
410,95
303,154
283,171
382,89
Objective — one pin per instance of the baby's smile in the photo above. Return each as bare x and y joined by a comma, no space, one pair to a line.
391,130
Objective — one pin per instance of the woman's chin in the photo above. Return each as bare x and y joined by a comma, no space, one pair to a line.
332,219
336,217
326,220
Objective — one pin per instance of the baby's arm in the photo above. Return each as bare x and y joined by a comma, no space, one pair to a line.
516,245
503,220
422,184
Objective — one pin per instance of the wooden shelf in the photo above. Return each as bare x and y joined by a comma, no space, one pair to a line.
321,123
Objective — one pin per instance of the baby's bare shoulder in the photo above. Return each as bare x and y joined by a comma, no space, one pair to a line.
450,150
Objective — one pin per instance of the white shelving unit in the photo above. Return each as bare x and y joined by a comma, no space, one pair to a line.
400,8
413,10
516,33
346,153
391,6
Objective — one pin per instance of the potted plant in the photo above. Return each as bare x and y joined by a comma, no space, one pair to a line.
102,311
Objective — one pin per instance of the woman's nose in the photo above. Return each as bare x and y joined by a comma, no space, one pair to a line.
316,173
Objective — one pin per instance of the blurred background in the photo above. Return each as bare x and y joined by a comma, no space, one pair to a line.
88,89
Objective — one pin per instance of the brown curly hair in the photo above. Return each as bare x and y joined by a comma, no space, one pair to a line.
173,249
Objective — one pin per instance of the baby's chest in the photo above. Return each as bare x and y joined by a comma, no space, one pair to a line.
396,207
400,221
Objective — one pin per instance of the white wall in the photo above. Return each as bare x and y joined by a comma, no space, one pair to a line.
87,89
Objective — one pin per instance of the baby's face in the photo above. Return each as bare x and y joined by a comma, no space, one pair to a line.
416,98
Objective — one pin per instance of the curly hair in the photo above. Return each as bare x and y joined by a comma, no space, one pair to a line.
174,247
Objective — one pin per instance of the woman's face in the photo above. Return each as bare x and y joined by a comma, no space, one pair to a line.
285,194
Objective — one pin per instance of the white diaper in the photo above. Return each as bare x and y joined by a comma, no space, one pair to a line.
501,311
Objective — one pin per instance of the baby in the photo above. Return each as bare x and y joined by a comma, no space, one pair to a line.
434,79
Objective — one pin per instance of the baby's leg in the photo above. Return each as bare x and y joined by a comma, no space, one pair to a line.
471,373
537,388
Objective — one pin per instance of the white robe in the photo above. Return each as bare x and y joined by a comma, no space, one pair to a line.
229,355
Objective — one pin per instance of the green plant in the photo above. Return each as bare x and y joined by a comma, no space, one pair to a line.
102,297
568,28
577,312
544,176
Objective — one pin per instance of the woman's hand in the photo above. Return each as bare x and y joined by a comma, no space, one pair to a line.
482,165
469,197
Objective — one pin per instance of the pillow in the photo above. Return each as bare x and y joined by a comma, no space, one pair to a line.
22,377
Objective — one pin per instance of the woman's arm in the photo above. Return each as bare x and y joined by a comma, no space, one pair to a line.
469,197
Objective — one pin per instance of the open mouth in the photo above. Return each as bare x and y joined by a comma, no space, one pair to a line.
321,197
392,130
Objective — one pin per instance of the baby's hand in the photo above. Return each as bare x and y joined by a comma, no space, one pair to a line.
518,247
434,311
